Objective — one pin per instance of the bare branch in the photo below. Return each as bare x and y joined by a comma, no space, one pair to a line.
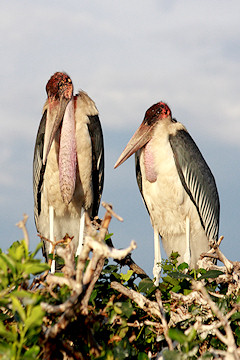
145,304
22,225
229,338
109,209
163,319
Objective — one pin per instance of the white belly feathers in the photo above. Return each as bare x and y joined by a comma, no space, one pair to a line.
166,199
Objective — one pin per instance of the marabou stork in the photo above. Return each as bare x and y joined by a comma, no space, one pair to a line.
177,187
68,164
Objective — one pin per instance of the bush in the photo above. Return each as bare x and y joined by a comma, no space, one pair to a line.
94,310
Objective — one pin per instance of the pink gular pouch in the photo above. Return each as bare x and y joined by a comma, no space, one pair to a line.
67,154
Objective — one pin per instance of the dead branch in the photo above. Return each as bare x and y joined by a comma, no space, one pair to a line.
128,261
109,209
145,304
85,300
228,340
22,225
82,283
163,319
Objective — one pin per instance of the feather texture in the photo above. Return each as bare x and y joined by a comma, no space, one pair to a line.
197,180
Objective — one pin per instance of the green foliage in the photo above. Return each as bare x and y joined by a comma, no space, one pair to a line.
21,314
115,327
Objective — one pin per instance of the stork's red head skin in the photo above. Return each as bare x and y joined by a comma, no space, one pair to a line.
60,84
156,112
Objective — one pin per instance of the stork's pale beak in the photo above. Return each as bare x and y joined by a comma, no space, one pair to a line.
55,113
141,137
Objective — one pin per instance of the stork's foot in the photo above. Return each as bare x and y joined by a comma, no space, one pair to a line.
157,273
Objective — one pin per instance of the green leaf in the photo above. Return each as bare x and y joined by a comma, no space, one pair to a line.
178,275
18,250
174,255
31,353
211,274
19,253
186,291
108,236
176,288
123,329
93,295
183,266
110,269
142,356
172,355
7,351
127,276
235,316
35,268
3,266
117,308
17,307
167,267
171,280
116,275
10,263
192,334
122,350
35,319
127,309
145,285
177,335
7,334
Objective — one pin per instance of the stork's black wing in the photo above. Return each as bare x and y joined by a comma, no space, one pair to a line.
197,180
38,168
95,131
139,176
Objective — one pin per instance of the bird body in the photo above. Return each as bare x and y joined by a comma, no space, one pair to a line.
68,174
176,184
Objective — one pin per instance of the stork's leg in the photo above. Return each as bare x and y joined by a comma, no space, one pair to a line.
81,232
186,256
51,225
157,258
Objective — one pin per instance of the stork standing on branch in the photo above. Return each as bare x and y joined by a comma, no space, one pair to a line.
68,164
177,187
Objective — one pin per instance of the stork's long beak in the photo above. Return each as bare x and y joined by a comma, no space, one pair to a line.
55,113
141,137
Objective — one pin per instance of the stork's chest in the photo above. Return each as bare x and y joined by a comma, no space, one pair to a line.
161,184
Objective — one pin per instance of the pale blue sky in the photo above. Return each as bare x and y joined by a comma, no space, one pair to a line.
127,55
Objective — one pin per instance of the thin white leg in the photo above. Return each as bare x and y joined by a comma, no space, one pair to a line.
187,253
157,258
81,231
51,225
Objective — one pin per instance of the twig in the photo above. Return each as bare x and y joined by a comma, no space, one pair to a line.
128,261
57,309
109,209
22,225
142,301
163,319
229,338
97,272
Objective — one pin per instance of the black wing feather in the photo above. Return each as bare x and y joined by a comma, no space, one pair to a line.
95,131
197,180
38,168
139,176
